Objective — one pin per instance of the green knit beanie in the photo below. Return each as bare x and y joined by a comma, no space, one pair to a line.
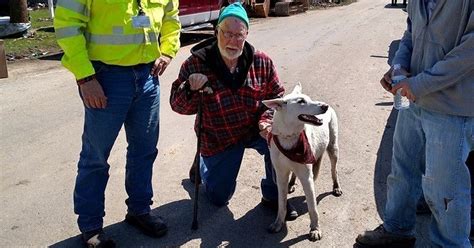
234,10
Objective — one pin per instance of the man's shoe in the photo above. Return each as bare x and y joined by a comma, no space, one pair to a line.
97,239
380,238
153,226
291,213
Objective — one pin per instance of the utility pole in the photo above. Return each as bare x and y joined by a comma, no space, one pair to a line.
18,11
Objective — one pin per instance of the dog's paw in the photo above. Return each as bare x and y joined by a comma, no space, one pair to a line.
275,227
315,235
337,192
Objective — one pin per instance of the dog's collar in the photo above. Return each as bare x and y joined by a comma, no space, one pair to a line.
300,153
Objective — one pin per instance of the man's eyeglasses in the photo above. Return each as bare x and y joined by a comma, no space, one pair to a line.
230,35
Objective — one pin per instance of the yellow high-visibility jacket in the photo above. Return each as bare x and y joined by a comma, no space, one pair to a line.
102,30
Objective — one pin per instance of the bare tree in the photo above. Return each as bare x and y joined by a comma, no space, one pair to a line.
18,11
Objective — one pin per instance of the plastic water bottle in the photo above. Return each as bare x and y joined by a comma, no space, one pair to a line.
399,102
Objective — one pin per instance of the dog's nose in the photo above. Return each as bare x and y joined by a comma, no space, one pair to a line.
324,107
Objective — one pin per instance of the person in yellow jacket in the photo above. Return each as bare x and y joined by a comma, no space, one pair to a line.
116,50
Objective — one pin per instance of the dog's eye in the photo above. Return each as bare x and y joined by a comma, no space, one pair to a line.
301,101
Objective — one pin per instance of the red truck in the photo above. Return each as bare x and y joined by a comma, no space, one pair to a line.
195,14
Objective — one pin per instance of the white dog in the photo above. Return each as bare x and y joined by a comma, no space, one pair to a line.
302,130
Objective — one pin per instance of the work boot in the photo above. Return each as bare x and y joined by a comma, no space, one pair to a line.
97,239
153,226
291,213
380,238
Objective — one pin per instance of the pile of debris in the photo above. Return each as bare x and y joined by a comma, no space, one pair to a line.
264,8
323,4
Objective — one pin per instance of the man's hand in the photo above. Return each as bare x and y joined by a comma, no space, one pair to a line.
386,80
197,81
406,90
265,129
160,65
92,94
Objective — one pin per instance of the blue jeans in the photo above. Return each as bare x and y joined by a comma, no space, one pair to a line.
470,165
441,144
133,98
219,172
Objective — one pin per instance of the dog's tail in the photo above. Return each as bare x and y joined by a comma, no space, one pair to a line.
333,146
333,152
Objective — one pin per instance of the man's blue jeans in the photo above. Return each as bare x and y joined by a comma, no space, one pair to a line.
470,165
133,101
444,141
219,172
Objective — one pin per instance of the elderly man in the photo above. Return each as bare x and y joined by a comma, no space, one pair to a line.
233,115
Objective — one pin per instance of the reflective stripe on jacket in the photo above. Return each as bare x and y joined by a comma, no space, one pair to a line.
102,30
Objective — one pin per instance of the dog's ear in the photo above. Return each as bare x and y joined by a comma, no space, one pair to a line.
297,89
274,103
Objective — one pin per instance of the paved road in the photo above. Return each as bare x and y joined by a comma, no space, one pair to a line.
337,54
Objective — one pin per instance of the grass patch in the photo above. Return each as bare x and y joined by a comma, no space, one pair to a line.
38,41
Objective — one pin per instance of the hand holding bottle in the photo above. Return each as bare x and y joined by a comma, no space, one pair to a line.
400,101
386,80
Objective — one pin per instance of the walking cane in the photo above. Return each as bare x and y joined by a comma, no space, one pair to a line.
197,159
193,177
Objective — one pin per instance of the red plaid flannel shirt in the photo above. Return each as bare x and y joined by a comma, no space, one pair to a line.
228,116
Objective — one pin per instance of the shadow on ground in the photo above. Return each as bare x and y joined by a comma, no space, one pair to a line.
396,6
391,53
217,226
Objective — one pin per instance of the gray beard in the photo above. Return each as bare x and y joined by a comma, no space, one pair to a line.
225,55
